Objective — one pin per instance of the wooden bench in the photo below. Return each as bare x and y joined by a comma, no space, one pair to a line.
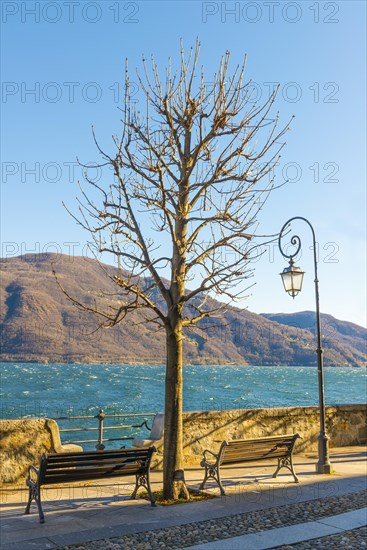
248,450
88,465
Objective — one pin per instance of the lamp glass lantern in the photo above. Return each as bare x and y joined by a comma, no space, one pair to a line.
292,277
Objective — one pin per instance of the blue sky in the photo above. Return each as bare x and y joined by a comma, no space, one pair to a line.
63,69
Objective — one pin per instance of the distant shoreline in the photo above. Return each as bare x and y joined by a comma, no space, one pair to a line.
159,364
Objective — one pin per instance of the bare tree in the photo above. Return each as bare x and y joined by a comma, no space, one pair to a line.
192,170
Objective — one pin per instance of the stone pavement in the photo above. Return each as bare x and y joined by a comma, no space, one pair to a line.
291,534
257,512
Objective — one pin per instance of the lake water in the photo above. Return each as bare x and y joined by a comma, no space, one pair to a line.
55,390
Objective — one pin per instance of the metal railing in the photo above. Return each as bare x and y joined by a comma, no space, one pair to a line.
102,428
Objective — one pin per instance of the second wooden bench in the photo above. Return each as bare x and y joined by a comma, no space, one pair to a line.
237,451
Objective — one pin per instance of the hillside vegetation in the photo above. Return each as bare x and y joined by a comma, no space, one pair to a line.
38,323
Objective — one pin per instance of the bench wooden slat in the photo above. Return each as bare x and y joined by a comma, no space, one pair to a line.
62,478
72,479
258,450
103,472
128,467
251,458
273,442
254,452
97,455
255,448
262,439
103,451
259,447
89,462
270,445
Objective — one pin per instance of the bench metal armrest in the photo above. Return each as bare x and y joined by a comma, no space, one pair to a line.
295,437
34,470
141,425
205,459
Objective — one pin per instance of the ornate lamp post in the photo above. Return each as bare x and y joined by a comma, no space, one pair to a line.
292,278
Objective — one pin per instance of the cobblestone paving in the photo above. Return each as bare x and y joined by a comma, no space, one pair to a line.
356,539
241,524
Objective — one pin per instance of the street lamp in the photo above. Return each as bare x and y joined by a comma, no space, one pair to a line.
292,278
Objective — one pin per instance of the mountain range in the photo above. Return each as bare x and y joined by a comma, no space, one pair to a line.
39,323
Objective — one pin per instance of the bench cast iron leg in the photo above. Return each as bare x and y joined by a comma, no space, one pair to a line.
204,480
286,463
35,494
213,472
30,498
143,481
292,470
222,491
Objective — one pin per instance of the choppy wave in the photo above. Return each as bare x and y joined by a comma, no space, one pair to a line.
58,389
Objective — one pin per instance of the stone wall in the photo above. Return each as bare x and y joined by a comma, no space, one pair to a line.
22,442
345,425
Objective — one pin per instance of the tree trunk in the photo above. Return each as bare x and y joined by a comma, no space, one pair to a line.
174,485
